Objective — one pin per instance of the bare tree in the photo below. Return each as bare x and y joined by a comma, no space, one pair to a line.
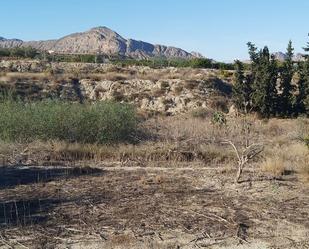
245,156
243,145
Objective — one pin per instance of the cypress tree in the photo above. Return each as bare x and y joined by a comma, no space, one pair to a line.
306,49
302,98
254,57
242,88
264,96
286,87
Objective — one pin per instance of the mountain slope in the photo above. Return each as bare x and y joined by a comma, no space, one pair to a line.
102,40
280,56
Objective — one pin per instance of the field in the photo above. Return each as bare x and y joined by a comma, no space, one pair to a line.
175,190
202,177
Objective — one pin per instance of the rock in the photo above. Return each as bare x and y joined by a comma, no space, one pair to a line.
233,112
148,89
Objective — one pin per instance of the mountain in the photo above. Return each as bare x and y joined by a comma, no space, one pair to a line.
299,57
280,56
10,43
101,40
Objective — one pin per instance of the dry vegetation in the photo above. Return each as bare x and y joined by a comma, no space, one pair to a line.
182,139
102,72
174,187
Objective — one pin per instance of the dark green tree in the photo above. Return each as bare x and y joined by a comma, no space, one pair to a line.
306,48
30,52
254,56
287,97
302,98
264,77
242,89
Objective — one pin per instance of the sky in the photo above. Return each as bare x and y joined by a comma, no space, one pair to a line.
219,29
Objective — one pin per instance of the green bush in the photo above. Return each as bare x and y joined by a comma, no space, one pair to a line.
102,122
20,52
174,62
219,118
306,140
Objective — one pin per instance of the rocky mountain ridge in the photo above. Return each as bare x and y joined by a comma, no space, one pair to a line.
280,56
104,41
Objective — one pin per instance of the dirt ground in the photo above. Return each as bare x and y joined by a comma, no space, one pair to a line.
188,205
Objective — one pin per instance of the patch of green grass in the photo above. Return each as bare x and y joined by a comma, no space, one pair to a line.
101,122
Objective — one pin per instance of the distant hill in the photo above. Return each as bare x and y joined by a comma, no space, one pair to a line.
280,56
101,40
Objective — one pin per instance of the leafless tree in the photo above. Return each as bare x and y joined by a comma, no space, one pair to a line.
245,156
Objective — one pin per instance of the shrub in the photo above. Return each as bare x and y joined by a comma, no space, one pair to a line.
226,74
201,113
306,139
274,165
220,104
219,118
102,122
302,130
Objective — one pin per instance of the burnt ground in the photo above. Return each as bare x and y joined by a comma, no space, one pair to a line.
159,206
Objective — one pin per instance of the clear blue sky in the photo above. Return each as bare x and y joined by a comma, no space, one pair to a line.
218,29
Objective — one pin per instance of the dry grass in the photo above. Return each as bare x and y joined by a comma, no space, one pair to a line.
38,153
184,139
273,165
11,76
202,113
122,240
178,89
182,176
213,154
219,103
158,92
304,170
287,156
145,73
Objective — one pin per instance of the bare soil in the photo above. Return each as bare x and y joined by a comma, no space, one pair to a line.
162,205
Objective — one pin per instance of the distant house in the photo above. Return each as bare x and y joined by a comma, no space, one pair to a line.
51,51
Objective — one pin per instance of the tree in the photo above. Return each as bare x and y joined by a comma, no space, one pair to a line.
302,98
253,53
306,48
30,52
264,79
242,89
17,52
286,87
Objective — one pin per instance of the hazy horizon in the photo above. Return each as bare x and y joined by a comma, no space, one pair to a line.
219,30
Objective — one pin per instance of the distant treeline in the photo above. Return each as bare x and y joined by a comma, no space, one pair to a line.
31,53
19,52
163,62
